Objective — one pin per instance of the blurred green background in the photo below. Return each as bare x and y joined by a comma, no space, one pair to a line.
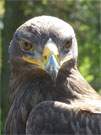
83,15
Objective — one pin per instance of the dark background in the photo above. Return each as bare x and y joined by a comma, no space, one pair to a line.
83,15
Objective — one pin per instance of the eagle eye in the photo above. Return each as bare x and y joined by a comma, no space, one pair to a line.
67,45
26,46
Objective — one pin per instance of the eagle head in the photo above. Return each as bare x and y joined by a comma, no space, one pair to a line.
43,43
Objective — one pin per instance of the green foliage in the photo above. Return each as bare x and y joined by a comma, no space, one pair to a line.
0,121
89,42
0,56
85,68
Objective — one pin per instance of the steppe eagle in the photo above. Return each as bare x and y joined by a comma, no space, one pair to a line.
48,94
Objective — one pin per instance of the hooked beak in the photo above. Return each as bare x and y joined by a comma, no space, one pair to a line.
52,66
51,60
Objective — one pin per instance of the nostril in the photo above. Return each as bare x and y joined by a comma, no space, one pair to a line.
45,57
57,55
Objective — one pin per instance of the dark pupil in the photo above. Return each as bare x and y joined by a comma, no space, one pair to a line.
27,46
68,44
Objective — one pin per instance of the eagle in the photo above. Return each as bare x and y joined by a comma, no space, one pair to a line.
48,95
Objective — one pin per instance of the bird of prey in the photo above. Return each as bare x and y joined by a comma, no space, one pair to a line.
48,94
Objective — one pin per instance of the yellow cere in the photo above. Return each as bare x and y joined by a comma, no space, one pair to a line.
50,49
33,61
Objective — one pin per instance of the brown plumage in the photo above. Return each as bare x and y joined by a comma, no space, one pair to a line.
44,103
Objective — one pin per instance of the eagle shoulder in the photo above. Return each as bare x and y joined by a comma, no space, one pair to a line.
53,117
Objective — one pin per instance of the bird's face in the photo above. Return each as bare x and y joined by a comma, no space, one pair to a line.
44,42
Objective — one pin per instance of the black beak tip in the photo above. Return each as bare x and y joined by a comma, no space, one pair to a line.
53,74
